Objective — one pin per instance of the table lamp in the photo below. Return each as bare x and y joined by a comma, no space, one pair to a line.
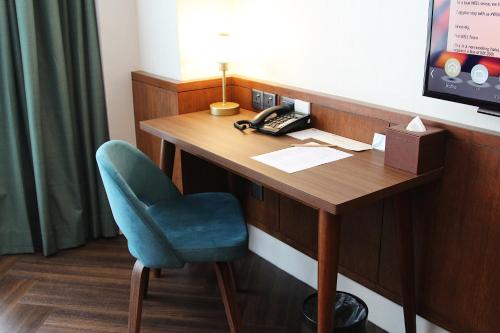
224,108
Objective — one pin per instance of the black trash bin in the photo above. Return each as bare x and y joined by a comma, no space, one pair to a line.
351,312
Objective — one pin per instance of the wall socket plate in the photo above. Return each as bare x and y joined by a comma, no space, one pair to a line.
269,100
257,99
288,102
257,191
302,106
296,104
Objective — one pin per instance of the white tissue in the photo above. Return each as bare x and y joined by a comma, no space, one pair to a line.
416,125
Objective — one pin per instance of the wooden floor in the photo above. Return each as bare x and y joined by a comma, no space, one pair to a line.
87,290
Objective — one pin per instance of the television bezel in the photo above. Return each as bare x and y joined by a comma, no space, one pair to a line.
440,95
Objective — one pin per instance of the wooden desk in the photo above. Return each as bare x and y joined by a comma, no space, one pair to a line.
334,189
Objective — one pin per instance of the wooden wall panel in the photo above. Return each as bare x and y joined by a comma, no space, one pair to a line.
444,289
486,163
151,102
196,100
457,230
354,126
459,278
456,220
243,96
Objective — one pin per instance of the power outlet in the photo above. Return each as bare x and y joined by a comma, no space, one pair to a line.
257,99
269,100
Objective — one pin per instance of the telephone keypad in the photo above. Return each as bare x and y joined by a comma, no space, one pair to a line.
283,120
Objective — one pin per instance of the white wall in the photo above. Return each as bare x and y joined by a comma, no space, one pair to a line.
158,42
372,51
117,23
199,23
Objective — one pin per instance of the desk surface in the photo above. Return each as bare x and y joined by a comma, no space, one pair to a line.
336,187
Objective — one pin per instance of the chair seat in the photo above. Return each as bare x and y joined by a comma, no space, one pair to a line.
203,227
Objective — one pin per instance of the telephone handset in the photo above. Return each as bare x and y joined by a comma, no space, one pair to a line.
276,120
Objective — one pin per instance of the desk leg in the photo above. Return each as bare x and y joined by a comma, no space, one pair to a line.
328,262
167,157
404,228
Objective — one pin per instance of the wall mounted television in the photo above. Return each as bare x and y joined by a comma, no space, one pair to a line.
463,53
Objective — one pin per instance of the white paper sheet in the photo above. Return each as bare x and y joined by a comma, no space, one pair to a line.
304,134
300,158
340,141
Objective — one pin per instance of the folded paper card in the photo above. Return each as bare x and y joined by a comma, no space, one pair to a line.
416,125
337,140
378,142
300,158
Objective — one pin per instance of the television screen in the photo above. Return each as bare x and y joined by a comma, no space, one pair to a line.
463,52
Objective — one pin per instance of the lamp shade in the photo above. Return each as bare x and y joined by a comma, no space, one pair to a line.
223,48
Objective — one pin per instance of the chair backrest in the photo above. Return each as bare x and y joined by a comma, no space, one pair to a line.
133,182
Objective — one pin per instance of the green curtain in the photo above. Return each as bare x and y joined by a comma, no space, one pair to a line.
52,120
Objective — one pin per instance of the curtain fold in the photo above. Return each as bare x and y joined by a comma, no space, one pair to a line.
53,119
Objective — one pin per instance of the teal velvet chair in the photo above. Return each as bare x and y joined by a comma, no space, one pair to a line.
165,229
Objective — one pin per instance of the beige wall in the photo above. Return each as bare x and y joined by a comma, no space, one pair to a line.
117,23
158,41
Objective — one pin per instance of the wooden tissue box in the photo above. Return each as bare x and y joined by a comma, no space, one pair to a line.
415,152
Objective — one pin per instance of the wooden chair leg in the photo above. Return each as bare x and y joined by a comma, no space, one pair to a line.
146,282
157,272
223,270
233,279
138,284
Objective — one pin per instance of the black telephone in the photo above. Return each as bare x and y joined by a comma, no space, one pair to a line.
276,120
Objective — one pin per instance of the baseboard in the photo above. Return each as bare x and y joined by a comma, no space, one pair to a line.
382,312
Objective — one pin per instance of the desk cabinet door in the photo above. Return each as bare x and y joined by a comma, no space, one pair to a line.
299,225
262,212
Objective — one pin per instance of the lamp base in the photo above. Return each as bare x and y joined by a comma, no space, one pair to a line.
224,109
